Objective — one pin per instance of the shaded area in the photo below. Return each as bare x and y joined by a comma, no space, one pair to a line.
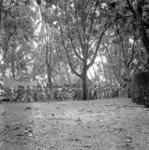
140,88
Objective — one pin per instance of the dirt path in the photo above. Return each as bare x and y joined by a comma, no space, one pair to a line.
114,124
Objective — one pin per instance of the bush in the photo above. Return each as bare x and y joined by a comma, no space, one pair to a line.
140,88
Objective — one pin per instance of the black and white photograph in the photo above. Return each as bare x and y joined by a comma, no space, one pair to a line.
74,74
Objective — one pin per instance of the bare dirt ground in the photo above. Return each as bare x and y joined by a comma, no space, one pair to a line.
112,124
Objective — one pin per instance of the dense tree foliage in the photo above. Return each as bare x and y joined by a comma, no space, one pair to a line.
16,34
53,40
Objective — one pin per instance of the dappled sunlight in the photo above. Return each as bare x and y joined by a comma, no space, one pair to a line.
98,65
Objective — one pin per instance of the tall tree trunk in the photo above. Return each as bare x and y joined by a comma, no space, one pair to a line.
61,74
49,74
84,84
48,62
1,7
142,30
49,84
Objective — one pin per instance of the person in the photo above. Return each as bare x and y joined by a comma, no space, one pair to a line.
95,92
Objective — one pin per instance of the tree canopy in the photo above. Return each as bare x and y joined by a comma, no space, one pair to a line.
103,41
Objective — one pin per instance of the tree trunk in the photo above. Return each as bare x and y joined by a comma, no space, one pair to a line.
1,7
142,30
12,70
49,84
129,89
49,74
84,84
61,74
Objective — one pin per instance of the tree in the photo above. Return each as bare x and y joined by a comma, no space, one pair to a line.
81,29
17,30
131,15
140,13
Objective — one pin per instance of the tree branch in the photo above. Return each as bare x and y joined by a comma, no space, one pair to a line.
143,33
71,41
115,73
98,44
66,50
92,22
122,44
78,31
131,8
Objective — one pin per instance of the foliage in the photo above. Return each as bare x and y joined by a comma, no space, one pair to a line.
140,88
17,28
81,29
52,40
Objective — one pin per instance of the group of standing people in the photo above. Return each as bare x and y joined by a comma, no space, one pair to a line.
97,92
94,92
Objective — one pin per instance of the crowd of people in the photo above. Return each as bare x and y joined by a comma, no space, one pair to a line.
62,93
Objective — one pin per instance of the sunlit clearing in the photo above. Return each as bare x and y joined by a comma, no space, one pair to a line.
131,40
89,74
18,48
1,58
33,5
38,29
101,59
38,22
54,7
35,44
7,72
103,5
94,68
91,71
102,78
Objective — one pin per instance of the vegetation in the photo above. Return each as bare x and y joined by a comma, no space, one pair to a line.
64,42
